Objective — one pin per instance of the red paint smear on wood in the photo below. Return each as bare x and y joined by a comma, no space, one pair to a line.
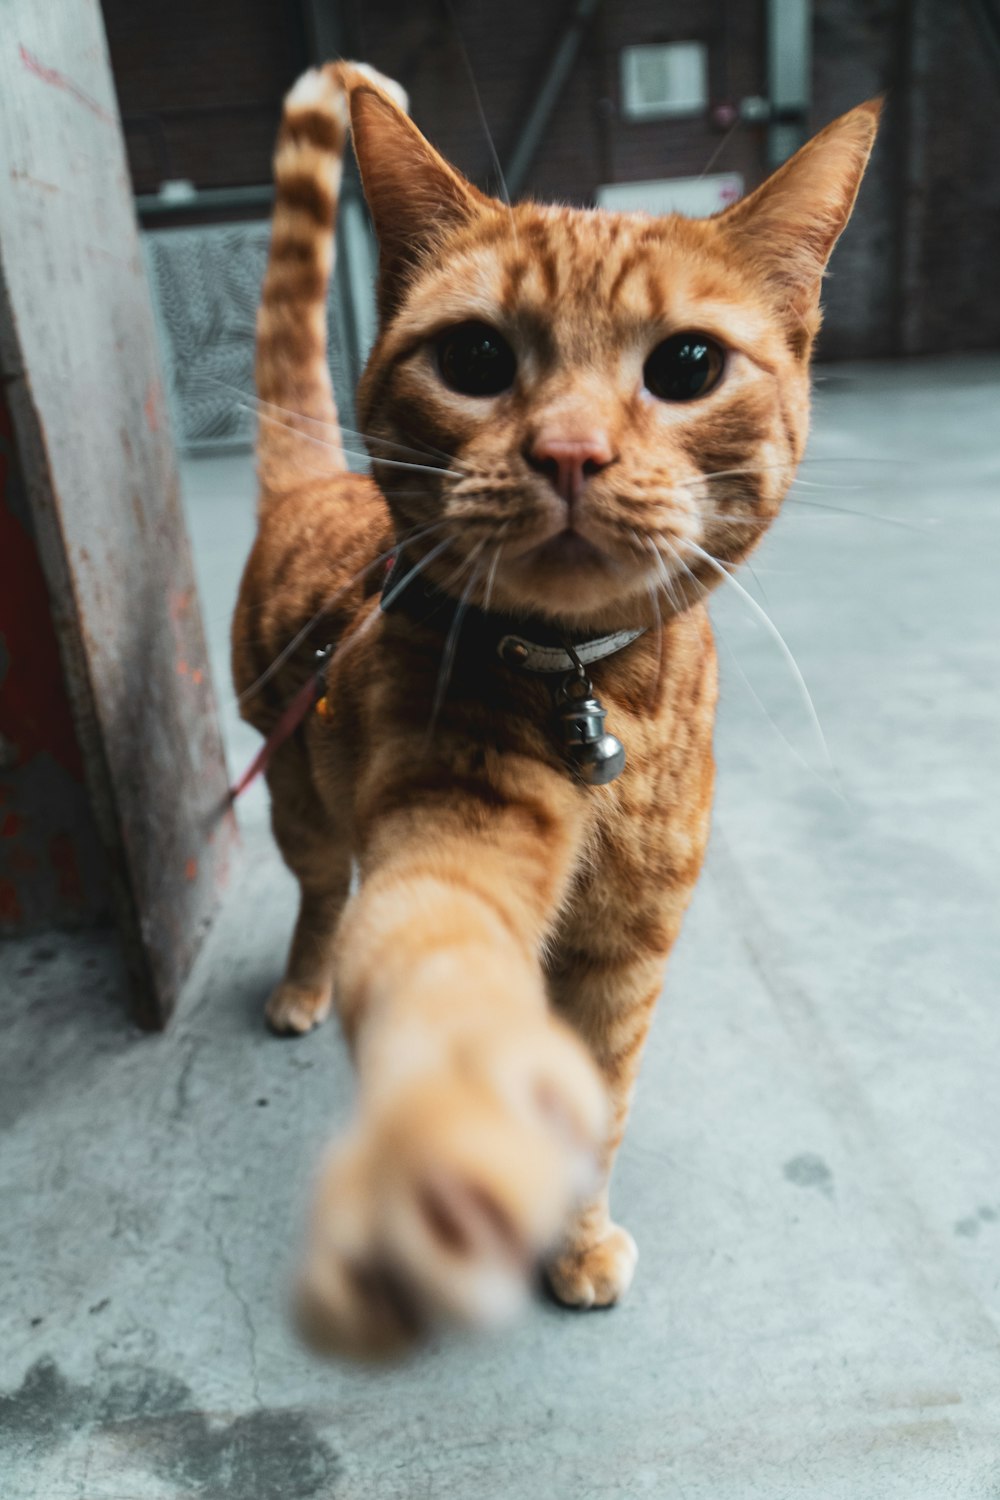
57,80
151,406
34,712
191,870
180,603
10,907
62,853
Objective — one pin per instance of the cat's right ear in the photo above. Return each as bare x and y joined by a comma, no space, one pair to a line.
411,190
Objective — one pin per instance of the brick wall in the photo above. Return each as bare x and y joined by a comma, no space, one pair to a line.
914,270
200,85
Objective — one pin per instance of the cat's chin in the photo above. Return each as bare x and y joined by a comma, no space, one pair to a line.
567,576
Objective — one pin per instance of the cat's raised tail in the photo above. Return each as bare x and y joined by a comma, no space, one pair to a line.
297,432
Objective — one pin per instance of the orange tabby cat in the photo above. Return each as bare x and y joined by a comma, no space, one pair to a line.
577,420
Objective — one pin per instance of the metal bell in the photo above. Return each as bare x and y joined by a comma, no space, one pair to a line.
596,756
601,762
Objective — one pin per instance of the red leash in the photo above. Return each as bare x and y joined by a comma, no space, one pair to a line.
309,694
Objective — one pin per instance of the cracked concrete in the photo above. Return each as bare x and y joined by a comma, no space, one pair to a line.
229,1273
812,1168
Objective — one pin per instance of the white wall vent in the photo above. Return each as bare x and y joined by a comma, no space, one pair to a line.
664,80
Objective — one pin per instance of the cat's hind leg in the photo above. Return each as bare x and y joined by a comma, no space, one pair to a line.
317,852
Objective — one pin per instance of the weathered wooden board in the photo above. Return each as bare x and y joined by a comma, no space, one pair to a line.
79,360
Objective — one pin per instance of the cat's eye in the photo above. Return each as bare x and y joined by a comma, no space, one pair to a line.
475,360
684,367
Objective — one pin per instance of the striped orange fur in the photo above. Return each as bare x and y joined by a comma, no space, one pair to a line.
497,967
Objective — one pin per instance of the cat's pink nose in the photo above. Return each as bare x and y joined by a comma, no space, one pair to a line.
568,463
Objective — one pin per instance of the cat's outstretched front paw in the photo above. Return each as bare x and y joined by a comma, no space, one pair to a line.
446,1196
595,1274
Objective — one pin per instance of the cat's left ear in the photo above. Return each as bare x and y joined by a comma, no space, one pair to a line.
412,192
787,228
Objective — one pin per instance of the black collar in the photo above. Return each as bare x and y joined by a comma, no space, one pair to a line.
526,642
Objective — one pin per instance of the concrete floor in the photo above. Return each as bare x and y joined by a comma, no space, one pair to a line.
812,1173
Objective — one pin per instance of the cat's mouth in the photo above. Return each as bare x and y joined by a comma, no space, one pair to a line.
567,549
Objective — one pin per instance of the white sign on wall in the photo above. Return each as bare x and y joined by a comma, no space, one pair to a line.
694,197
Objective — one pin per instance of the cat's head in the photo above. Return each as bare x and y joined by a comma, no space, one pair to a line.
601,398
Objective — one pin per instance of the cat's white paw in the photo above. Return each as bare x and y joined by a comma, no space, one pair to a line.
597,1274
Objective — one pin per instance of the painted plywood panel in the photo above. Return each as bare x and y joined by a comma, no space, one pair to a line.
52,867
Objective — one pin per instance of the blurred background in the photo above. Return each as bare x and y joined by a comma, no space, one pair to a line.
641,103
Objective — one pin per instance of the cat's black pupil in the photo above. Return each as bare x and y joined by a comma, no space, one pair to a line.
683,367
476,360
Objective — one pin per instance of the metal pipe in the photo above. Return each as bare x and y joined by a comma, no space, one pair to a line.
530,135
789,64
912,131
183,198
986,18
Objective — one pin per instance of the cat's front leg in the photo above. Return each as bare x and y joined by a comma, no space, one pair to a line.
610,1001
480,1115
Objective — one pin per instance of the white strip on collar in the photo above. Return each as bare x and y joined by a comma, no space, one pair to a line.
516,651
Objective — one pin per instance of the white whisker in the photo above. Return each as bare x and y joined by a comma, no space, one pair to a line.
336,428
760,587
418,567
714,474
792,499
676,602
760,702
494,565
329,603
505,195
390,463
654,599
395,463
451,643
816,484
846,510
775,633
